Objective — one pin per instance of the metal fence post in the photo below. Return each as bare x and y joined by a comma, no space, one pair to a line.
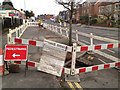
91,39
77,35
56,29
9,37
60,30
73,58
67,33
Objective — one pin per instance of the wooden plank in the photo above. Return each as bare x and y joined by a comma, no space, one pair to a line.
52,60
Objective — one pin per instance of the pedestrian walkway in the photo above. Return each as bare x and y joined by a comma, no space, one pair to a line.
34,79
39,35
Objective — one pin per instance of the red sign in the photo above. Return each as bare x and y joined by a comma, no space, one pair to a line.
16,52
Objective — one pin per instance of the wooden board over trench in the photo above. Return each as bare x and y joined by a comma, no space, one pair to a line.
52,60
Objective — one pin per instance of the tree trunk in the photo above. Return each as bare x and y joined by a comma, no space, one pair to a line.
70,26
70,33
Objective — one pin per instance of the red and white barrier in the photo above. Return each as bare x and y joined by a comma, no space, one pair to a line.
97,67
79,70
40,43
98,47
79,48
28,42
1,62
92,68
30,63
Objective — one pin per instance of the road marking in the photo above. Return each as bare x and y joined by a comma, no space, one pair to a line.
80,88
71,86
90,57
85,41
110,50
107,56
101,60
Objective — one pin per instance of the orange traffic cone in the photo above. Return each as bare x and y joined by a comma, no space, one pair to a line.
1,62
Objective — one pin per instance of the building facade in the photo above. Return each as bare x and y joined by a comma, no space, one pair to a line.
110,8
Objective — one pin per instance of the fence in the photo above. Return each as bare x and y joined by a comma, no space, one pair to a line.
74,49
11,22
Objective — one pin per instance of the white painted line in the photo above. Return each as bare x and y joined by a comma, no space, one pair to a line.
107,56
101,60
85,41
110,51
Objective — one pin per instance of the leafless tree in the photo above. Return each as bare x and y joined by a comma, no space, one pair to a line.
70,6
108,12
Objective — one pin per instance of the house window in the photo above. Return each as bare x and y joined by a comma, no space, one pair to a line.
116,16
116,6
99,10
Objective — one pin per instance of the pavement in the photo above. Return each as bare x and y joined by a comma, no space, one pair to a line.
34,79
98,27
107,78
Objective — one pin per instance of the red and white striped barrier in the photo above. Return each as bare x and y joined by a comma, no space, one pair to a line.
30,63
92,68
98,47
79,48
28,42
40,44
79,70
1,62
97,67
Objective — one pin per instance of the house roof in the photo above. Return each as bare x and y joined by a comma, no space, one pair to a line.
106,3
7,7
91,1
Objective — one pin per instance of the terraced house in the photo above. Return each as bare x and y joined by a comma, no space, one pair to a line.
109,9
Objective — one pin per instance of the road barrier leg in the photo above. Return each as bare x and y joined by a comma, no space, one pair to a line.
16,33
60,31
73,59
9,37
56,29
91,43
76,35
91,39
67,34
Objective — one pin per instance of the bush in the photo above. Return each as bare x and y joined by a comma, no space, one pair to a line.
94,16
84,19
99,21
93,21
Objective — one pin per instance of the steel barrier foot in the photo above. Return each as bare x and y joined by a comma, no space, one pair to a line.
69,78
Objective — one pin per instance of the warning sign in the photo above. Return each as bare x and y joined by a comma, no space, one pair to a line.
16,52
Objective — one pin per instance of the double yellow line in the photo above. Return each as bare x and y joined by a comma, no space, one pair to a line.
73,88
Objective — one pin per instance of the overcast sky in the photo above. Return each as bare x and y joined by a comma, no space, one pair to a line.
38,6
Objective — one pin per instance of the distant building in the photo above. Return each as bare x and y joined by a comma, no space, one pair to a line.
6,10
46,16
113,7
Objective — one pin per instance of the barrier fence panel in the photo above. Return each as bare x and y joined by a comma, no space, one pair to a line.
74,49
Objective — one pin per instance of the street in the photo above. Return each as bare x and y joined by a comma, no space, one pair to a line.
60,44
95,79
103,33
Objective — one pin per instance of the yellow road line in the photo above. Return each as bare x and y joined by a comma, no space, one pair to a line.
80,88
71,86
